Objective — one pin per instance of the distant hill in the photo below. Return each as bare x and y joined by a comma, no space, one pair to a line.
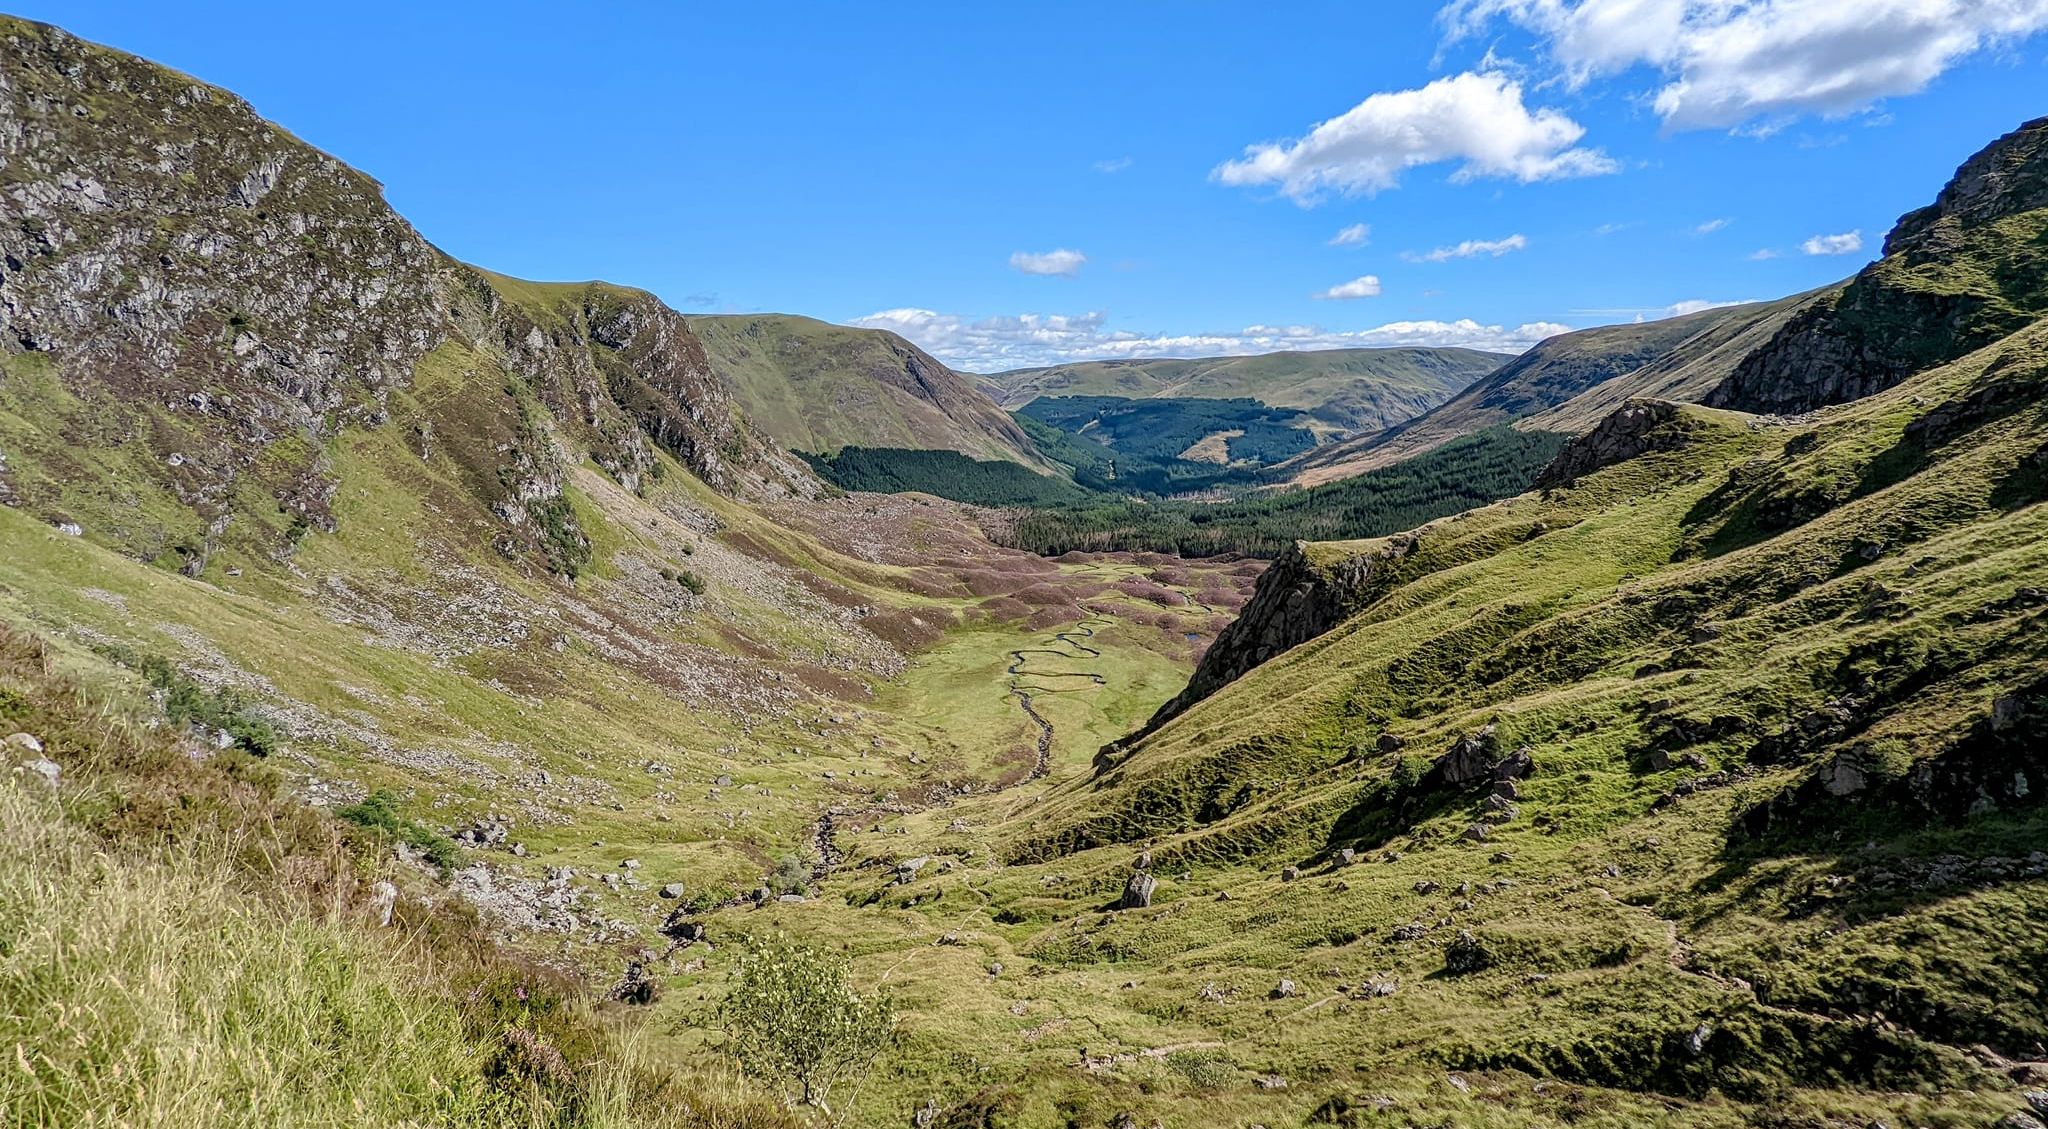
1346,391
1677,358
816,387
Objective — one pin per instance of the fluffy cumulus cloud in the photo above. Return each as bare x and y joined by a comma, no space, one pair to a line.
1477,120
1469,249
1364,286
1357,235
1062,263
997,343
1847,243
1759,63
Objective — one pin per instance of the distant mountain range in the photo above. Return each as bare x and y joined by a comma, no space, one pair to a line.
1342,391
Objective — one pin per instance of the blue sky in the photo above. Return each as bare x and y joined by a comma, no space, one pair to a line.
1519,165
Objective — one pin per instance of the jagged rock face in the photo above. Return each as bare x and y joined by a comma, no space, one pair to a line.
218,301
1296,600
161,238
1637,427
1955,276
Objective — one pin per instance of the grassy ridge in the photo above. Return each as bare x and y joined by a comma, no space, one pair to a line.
1345,390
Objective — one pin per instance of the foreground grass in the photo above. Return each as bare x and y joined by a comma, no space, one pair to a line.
180,947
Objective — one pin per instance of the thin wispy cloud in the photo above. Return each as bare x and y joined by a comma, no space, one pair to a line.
1357,235
1062,263
1847,243
1607,229
1469,249
1711,226
1364,286
1478,121
993,344
1655,313
1114,165
1761,63
1764,254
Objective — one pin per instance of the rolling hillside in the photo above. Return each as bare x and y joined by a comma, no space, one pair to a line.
1554,372
1343,391
815,387
436,698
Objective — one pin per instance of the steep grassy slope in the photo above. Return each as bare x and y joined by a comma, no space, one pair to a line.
1699,789
1344,390
183,945
815,387
1675,356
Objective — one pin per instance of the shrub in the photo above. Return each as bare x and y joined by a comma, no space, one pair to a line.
379,811
793,1020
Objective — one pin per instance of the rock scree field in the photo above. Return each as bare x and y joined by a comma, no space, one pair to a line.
437,698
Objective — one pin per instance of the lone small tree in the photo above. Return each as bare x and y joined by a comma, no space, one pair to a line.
792,1019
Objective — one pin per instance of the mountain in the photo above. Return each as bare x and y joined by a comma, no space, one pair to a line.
1674,357
815,387
428,698
1956,275
1343,390
1709,768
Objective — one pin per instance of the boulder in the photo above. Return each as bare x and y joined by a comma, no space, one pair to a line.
44,769
1138,891
672,891
383,903
1470,760
24,742
1466,954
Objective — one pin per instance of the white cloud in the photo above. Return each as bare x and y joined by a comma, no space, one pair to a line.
1847,243
1364,286
1114,165
1655,313
1711,226
1063,263
1357,235
1469,249
1729,62
1018,341
1606,229
1476,119
1695,305
1764,254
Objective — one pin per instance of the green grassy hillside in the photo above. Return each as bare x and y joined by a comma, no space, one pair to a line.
1343,390
1680,358
816,387
1764,704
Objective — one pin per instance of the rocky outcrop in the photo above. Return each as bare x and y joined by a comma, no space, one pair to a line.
1297,599
1636,428
1967,270
212,302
